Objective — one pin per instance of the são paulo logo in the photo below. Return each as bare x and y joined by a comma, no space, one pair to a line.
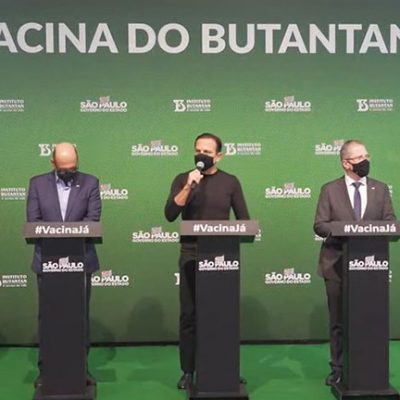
63,265
154,148
107,192
329,149
155,235
288,104
108,279
288,191
368,264
219,264
103,104
287,277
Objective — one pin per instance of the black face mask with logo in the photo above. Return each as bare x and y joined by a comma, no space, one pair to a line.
361,168
66,176
208,161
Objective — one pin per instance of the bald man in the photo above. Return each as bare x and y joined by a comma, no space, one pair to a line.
65,194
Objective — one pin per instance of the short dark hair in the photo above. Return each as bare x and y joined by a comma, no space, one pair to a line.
344,153
216,139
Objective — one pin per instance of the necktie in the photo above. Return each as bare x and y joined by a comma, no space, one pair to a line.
357,200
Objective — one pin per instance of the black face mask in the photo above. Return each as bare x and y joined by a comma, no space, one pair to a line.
66,176
204,158
361,168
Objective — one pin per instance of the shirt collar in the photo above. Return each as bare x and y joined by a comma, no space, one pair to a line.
61,182
349,181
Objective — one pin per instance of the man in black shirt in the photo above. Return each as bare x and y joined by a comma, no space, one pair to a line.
206,193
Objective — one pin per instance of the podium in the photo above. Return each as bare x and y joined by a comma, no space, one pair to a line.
365,310
63,314
217,374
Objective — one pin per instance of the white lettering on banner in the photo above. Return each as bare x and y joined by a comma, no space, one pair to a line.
108,279
326,149
368,264
156,235
370,228
173,38
219,264
63,265
67,230
219,228
152,38
287,277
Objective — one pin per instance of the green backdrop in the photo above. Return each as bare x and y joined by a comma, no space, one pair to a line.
282,109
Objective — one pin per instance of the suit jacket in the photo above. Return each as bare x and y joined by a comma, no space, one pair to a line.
334,205
84,204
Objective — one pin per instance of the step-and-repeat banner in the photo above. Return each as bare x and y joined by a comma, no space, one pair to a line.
132,83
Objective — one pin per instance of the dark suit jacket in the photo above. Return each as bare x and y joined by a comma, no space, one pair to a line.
84,204
334,205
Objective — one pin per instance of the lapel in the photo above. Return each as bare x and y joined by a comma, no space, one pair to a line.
75,188
344,196
54,195
371,198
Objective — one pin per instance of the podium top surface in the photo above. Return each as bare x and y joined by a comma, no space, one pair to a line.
219,228
82,229
365,228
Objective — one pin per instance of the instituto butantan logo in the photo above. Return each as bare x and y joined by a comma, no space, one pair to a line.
13,281
103,104
375,105
107,192
288,104
287,277
219,264
242,149
329,149
63,265
108,279
368,264
155,235
46,149
12,105
13,193
192,105
156,148
288,191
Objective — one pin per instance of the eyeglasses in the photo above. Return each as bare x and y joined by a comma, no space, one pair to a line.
359,158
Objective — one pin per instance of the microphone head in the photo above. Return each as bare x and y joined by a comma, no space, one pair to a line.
200,165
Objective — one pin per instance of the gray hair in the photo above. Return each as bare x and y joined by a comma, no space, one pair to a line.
344,150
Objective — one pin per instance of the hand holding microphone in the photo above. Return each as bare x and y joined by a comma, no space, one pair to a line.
196,176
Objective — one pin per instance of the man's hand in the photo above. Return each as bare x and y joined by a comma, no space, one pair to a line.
194,177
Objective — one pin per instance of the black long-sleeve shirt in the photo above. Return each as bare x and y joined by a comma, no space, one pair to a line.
212,199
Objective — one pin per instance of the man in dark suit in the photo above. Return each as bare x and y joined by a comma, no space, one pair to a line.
65,194
352,197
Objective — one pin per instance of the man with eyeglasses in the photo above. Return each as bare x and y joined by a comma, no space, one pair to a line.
352,197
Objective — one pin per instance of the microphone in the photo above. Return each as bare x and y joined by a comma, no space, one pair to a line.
200,167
